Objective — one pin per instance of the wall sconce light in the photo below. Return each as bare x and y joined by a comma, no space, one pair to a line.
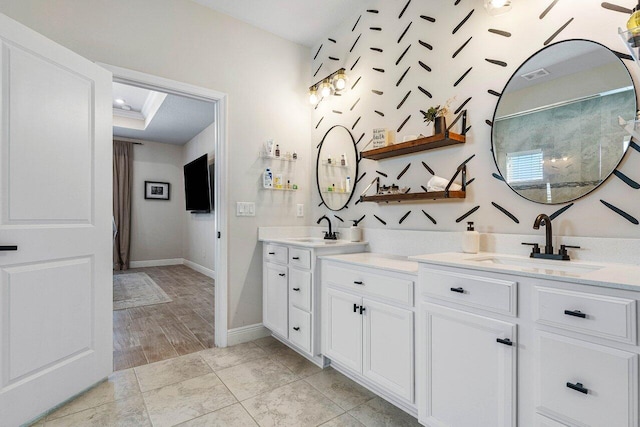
497,7
334,82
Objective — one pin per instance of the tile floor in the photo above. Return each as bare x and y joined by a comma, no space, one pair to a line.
261,383
148,334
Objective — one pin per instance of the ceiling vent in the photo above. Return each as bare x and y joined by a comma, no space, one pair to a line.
533,75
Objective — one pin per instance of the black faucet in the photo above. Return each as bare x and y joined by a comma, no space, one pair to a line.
546,221
328,235
562,254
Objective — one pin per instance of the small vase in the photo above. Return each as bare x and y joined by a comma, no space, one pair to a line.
439,125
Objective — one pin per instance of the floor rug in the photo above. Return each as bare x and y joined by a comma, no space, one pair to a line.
136,290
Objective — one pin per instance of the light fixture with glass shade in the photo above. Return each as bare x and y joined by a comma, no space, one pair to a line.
326,88
497,7
340,80
313,95
334,82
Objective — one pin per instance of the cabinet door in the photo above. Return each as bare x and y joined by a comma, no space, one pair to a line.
469,377
342,328
388,347
274,295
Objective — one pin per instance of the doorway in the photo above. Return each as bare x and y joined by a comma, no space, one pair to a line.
170,274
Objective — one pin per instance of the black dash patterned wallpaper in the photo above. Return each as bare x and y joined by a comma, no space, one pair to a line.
403,57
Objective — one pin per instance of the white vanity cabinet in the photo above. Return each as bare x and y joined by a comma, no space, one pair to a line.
368,325
290,297
466,362
541,351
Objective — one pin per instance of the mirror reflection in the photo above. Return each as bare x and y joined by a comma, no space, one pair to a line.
555,130
337,167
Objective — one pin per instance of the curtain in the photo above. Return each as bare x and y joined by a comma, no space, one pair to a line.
122,180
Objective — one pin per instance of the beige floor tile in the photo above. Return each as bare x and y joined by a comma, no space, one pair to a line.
231,416
340,389
171,371
125,412
186,400
380,413
344,420
296,363
256,377
118,386
221,358
270,344
296,405
38,423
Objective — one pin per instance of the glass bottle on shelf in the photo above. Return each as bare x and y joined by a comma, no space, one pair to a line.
277,151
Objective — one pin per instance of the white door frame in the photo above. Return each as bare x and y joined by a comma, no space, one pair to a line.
221,190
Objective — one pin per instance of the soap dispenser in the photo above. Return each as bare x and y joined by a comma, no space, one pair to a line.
470,240
355,232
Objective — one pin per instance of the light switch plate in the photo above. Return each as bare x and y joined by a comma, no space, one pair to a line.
245,209
300,210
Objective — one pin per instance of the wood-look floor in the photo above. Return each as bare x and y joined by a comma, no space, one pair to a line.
151,333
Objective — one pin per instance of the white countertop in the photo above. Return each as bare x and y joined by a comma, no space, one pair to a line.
314,243
617,276
395,263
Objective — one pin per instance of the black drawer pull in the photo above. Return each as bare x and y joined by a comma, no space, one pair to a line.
505,341
575,313
295,328
9,248
272,253
458,290
355,308
281,274
296,289
578,387
358,282
362,309
296,257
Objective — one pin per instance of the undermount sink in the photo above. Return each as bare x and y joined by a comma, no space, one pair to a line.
562,268
315,240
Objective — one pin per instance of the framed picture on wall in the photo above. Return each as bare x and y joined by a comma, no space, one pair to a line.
156,190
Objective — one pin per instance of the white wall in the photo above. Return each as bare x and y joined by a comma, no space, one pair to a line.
157,225
264,76
587,217
199,229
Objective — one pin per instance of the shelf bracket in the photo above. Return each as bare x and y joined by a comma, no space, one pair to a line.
463,115
462,169
376,181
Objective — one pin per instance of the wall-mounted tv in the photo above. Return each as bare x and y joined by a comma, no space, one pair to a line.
196,185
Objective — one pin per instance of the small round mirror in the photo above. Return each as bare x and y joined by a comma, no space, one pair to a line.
337,167
555,132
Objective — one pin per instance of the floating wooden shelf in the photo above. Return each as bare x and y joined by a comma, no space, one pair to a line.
420,144
415,197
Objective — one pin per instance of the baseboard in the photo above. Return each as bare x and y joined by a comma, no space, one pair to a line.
200,269
156,263
246,334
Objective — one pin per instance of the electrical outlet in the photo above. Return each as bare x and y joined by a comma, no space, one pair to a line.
300,210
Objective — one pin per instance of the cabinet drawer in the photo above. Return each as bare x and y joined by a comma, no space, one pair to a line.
586,384
275,253
371,283
300,288
300,328
300,258
598,315
487,293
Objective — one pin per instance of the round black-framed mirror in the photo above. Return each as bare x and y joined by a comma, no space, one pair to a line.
337,167
555,133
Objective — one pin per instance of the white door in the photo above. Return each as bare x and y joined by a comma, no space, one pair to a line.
275,306
469,376
342,328
388,347
55,206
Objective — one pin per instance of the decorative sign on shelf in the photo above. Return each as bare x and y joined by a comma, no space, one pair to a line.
383,137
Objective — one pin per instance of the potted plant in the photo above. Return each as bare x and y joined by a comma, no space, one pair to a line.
437,116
